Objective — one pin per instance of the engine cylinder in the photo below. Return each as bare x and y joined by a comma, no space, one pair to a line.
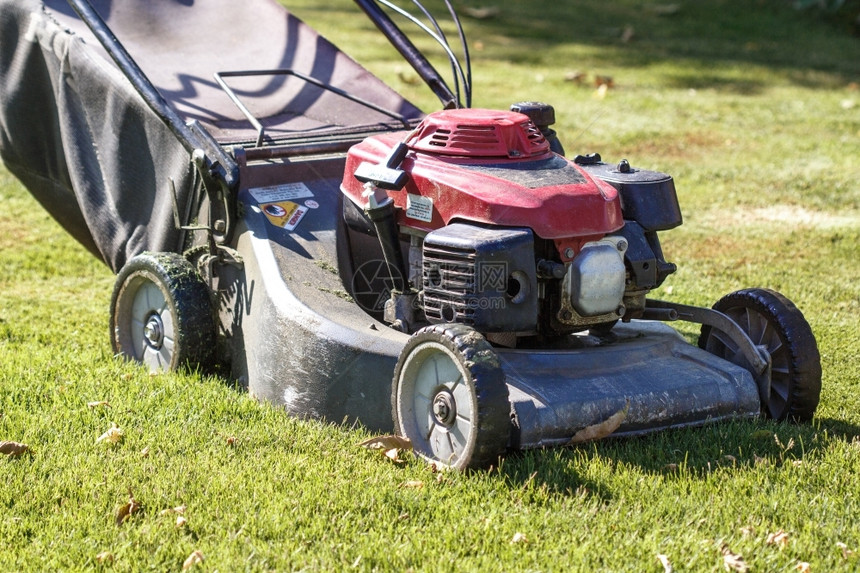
595,280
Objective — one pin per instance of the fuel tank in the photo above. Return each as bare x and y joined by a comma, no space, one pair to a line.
492,168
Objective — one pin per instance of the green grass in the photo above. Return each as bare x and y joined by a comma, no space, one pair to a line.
751,106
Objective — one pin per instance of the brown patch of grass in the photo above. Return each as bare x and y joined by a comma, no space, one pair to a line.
684,146
777,215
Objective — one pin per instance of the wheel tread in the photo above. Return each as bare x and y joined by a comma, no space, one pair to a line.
190,299
797,339
491,392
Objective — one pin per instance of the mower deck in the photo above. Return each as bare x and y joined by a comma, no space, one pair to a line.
666,382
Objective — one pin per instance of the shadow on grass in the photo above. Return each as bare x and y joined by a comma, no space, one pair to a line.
699,80
768,33
691,453
699,36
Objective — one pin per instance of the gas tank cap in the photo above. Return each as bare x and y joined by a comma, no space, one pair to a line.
542,114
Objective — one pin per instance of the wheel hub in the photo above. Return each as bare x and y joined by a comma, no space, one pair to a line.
153,331
445,408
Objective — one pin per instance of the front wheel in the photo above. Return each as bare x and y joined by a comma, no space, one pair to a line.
450,399
161,314
773,322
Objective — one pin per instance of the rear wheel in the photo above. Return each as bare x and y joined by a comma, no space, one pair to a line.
773,322
161,315
450,399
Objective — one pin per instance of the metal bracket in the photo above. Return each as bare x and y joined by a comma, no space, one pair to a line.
219,77
225,255
757,358
176,220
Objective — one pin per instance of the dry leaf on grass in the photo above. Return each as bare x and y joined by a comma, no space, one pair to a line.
733,561
180,509
627,34
112,436
665,9
747,530
778,538
181,521
390,446
519,538
195,558
130,508
394,455
602,429
414,484
13,449
803,567
386,443
600,81
576,77
483,13
98,404
846,553
664,561
105,557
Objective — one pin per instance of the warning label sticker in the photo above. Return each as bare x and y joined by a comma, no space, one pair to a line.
418,207
284,214
277,193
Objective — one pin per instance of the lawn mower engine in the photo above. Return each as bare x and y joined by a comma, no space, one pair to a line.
481,221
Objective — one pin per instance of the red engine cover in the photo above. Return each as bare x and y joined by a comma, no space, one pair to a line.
491,167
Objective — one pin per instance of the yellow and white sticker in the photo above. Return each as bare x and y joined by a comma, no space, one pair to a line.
284,214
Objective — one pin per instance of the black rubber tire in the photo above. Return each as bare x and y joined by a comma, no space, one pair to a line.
195,255
772,320
481,412
165,292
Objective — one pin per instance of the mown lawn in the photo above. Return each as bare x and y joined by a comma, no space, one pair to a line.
753,107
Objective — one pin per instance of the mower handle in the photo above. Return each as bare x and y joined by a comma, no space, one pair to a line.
408,50
219,164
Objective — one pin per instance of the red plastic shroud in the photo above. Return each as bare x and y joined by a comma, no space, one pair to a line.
490,167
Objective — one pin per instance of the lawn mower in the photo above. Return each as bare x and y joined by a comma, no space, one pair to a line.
271,207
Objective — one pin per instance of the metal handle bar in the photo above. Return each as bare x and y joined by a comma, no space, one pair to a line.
219,77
